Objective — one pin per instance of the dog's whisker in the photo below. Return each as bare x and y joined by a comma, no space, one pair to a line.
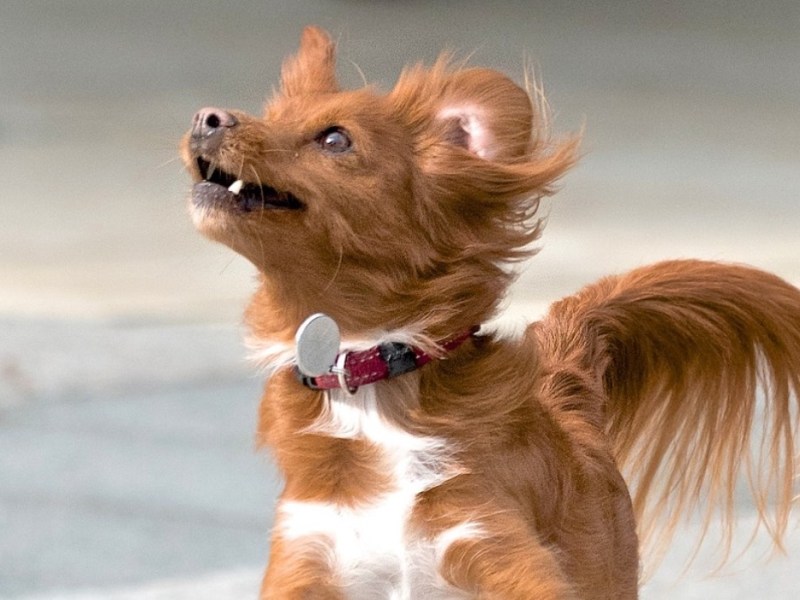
276,151
261,214
168,162
361,74
335,271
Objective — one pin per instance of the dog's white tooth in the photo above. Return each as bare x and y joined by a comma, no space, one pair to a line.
236,187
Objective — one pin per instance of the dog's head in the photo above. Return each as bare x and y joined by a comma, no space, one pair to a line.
382,210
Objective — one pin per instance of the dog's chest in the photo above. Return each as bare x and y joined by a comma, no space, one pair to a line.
370,548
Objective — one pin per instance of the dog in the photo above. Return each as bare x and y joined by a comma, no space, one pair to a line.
425,458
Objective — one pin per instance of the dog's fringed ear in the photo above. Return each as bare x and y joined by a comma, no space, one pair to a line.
486,113
313,69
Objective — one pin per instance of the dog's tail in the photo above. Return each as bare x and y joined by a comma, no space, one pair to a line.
699,366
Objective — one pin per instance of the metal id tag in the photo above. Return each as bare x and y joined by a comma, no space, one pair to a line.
317,342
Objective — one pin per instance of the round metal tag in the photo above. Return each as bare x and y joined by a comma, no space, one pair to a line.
317,342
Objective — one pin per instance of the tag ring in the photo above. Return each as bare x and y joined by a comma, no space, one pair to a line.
341,373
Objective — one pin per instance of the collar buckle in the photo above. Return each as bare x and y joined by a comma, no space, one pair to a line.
399,358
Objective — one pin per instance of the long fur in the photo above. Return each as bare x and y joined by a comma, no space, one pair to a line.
700,363
495,472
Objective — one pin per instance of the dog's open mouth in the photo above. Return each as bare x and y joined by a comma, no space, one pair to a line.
221,188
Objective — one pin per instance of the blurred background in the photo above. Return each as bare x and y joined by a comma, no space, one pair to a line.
127,467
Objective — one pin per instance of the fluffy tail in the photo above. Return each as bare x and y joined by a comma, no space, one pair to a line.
700,363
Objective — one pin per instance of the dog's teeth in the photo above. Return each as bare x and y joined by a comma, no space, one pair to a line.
236,187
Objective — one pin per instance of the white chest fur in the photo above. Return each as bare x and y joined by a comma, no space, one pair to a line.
368,547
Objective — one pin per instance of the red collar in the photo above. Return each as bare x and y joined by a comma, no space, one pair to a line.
354,369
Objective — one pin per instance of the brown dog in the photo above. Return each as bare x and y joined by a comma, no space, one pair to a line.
492,471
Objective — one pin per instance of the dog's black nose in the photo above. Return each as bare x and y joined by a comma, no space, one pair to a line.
208,128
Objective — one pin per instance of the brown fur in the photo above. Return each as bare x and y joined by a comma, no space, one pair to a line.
655,372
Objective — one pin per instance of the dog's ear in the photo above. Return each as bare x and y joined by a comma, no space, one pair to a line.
480,110
313,69
486,113
482,146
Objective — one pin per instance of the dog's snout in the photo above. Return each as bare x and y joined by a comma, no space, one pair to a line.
208,128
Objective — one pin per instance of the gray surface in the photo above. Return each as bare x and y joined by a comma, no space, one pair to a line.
117,490
127,468
129,478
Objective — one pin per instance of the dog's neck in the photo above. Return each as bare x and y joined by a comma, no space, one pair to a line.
428,311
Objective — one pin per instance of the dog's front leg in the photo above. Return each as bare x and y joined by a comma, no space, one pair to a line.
298,573
508,567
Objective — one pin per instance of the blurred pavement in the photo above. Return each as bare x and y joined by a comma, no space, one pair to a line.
127,467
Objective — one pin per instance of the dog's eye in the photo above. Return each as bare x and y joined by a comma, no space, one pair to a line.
334,140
